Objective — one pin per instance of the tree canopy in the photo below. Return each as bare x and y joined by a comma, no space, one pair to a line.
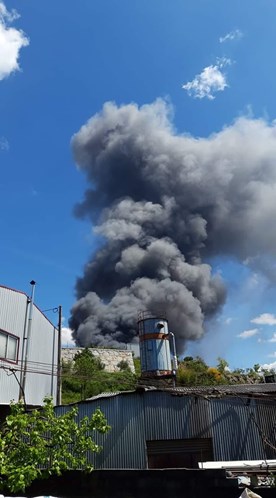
39,444
86,377
194,371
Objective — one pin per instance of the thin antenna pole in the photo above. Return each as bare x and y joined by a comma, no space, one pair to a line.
28,338
21,394
59,356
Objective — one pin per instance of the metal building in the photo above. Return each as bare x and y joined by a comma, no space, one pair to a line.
28,350
179,427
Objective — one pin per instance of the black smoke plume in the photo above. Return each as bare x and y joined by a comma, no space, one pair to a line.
163,204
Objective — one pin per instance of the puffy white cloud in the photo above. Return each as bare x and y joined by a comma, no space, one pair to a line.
273,338
211,80
248,333
11,42
66,337
236,34
265,319
269,366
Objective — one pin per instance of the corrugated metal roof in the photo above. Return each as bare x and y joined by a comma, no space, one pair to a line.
105,395
225,390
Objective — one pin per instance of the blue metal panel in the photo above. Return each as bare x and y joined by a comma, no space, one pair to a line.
265,421
237,426
174,417
155,355
154,351
236,436
124,446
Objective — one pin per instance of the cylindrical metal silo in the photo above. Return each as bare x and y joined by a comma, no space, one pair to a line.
155,353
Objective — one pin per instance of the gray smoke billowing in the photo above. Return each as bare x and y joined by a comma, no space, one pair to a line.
164,202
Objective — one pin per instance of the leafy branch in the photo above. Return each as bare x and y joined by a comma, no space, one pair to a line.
39,444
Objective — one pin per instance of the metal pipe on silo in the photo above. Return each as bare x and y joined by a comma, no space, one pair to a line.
174,358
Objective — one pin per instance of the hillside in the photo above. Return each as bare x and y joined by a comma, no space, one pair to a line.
86,376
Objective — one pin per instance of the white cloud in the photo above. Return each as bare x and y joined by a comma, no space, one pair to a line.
269,366
7,15
272,355
273,338
11,41
211,80
236,34
4,144
66,337
265,319
248,333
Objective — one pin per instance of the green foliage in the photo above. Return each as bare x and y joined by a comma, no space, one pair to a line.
39,444
86,377
137,366
194,371
85,362
222,365
74,389
123,365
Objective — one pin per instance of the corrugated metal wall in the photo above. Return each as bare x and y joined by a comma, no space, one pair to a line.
175,417
265,420
234,425
41,376
235,434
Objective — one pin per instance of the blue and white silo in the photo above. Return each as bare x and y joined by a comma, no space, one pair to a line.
155,350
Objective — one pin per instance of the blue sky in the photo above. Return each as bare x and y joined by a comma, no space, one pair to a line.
213,61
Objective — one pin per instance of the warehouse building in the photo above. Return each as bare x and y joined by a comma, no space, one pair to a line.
179,427
28,350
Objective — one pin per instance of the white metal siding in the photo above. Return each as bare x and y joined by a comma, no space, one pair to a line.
42,360
41,379
12,311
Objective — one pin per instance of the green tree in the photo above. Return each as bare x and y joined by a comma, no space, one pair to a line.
39,444
85,363
222,365
85,377
137,366
123,366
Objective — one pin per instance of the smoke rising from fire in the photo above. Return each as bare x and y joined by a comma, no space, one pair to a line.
163,203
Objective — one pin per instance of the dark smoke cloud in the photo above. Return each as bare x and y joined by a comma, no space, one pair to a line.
163,203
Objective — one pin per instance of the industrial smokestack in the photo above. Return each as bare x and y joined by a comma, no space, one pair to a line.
163,204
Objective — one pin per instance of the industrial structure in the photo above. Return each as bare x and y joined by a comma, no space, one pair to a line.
179,427
157,346
29,350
